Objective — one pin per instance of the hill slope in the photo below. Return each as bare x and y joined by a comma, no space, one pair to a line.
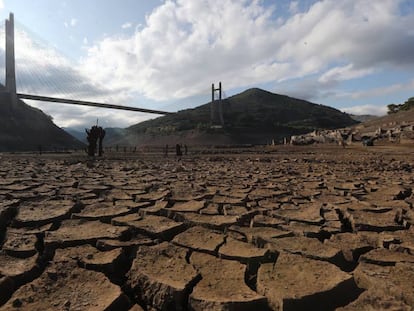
254,116
24,128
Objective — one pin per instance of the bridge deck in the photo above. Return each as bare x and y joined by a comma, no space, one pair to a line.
88,103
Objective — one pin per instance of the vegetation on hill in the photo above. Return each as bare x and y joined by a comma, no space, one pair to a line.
24,128
252,111
363,117
394,108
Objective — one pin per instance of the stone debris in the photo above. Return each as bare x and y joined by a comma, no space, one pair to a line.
190,206
295,282
222,286
390,280
161,277
289,228
17,268
102,211
219,222
78,232
58,288
43,212
200,239
20,244
152,225
244,252
307,247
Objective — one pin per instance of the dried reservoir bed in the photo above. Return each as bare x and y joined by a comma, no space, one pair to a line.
257,229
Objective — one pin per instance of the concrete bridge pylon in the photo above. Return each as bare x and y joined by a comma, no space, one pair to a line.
10,60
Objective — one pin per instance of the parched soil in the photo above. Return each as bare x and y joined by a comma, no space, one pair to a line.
266,228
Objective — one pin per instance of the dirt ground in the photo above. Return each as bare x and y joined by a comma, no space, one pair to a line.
264,228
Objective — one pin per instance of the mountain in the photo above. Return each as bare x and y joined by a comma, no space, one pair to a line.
363,117
24,128
76,133
254,116
402,118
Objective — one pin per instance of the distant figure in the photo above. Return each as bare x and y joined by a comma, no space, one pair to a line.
93,135
166,151
178,151
185,149
101,135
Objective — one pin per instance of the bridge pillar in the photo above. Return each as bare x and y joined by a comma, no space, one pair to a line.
10,61
219,112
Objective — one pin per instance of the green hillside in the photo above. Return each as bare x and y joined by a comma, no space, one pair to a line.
24,128
253,116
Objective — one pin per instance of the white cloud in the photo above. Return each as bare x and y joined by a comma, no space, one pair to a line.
294,7
85,41
72,23
366,109
126,25
187,44
347,72
1,4
380,91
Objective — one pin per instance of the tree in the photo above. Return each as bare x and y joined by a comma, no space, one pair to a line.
393,108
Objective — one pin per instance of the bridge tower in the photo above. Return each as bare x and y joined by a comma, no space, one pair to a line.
216,114
10,61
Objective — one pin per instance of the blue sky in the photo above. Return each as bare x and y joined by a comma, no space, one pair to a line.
354,55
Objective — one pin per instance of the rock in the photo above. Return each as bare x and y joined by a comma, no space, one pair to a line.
117,194
190,206
153,196
307,213
295,283
244,252
136,308
302,229
200,239
91,258
103,211
353,245
373,221
19,244
307,247
396,281
107,244
219,222
260,235
266,221
161,278
20,270
218,199
154,209
377,300
64,285
222,286
152,225
40,213
78,232
385,257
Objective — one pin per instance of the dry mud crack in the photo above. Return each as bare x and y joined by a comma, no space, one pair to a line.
321,228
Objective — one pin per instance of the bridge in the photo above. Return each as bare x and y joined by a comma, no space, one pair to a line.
217,93
11,88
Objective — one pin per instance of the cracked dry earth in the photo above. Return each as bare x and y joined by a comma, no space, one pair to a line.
291,229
